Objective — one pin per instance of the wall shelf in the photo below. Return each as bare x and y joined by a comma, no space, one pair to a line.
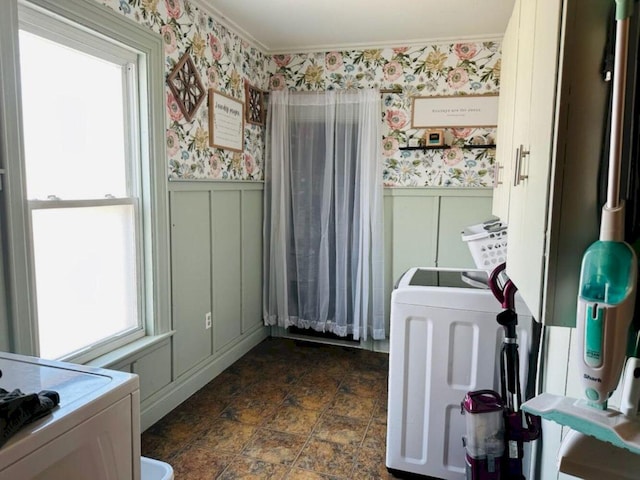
444,147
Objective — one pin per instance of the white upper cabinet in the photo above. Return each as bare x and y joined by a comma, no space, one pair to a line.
539,146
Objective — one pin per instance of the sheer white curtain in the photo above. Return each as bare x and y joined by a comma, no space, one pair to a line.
323,213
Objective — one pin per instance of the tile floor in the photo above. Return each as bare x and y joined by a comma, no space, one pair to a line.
286,410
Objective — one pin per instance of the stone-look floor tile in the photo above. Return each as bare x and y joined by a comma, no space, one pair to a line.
343,430
226,436
312,398
370,465
274,447
376,437
205,405
361,386
250,468
347,405
319,379
180,426
226,384
380,412
159,448
267,391
299,474
293,419
200,464
328,458
247,410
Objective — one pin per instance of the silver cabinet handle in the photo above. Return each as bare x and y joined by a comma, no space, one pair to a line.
518,176
516,169
496,174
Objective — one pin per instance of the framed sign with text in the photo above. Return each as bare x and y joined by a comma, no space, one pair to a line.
455,111
226,122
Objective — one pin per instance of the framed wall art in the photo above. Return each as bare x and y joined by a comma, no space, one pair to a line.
226,122
455,111
186,86
255,105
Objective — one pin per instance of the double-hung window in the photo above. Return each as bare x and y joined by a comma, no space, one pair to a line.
86,164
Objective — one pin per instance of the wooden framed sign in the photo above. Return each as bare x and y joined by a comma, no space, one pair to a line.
226,122
455,111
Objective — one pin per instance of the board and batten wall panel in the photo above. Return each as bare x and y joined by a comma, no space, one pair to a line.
191,277
251,259
456,213
227,267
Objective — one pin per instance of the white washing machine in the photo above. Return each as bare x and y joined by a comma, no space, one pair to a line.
444,342
94,432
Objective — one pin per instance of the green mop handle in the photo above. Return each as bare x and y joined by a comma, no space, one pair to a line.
624,9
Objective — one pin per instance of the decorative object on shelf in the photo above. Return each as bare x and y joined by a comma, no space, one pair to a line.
184,82
455,111
254,100
226,122
444,147
433,137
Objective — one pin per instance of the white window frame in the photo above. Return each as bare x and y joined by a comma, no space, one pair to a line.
152,209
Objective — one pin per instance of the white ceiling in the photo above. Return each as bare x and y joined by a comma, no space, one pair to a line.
295,26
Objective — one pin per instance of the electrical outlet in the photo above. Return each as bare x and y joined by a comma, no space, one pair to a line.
207,320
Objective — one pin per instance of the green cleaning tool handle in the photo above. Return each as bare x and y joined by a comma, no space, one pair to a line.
624,9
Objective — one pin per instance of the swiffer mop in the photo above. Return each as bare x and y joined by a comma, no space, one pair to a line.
606,300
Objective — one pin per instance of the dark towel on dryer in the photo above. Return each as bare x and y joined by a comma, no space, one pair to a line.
18,409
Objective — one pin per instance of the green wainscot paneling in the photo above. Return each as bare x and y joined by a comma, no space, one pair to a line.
191,277
227,267
251,259
423,227
456,213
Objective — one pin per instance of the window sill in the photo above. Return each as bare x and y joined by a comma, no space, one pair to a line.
128,351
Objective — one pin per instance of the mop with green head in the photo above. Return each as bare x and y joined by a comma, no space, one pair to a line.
605,307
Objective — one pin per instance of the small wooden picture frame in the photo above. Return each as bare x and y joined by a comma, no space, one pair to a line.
255,107
433,137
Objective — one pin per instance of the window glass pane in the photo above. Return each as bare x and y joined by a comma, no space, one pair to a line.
74,122
85,275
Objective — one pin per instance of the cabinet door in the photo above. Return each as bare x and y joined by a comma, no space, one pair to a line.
529,197
506,108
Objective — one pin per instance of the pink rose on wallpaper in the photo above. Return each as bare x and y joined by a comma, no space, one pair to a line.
249,163
215,165
212,76
396,119
389,146
169,38
465,51
173,143
461,132
216,47
457,78
173,8
392,71
452,156
398,50
282,60
174,110
333,61
277,82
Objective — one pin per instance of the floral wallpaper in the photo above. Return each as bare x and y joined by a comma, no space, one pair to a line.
432,70
224,62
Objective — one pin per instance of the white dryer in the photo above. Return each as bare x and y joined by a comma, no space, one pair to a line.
444,342
94,432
